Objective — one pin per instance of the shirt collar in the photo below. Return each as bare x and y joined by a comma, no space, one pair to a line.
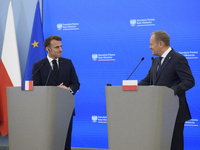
50,60
166,52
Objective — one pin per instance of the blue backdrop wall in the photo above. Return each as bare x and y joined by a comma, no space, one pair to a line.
107,39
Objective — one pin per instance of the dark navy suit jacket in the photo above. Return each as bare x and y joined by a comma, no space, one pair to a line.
67,74
174,73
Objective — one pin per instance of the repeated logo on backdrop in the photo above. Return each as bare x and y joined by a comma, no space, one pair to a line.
192,123
190,54
142,22
103,57
99,119
68,26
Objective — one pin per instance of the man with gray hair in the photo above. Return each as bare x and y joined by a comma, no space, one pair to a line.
171,69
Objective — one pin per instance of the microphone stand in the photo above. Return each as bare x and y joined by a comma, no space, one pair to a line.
135,68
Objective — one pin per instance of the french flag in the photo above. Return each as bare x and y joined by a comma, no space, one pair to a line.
27,85
129,85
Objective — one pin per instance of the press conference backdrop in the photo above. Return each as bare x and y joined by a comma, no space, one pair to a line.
107,39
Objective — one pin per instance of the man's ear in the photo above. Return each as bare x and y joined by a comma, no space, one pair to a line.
47,49
161,43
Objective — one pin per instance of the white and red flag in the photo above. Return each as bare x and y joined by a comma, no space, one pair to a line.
129,85
10,74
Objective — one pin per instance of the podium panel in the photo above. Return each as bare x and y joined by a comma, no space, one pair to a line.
142,119
38,119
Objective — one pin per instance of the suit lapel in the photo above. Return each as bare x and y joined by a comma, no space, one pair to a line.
154,69
164,64
48,66
61,68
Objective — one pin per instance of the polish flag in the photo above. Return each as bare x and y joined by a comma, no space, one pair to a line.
129,85
9,68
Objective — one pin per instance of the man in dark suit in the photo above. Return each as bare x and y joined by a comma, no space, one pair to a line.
171,69
56,71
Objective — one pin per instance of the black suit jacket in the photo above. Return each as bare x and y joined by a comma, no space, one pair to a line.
67,74
174,73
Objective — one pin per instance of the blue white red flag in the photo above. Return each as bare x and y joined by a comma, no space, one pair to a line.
27,85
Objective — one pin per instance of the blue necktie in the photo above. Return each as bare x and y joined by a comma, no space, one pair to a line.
159,63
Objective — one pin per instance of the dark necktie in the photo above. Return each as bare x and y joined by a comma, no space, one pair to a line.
55,68
159,63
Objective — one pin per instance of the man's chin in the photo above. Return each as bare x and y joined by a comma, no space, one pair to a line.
154,54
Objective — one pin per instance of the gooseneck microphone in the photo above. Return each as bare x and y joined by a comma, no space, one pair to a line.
152,59
48,76
36,71
136,67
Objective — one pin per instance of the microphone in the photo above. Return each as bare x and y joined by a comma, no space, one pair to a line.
36,71
48,76
136,67
152,59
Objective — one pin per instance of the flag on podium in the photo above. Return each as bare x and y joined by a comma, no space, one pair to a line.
9,68
36,49
27,85
129,85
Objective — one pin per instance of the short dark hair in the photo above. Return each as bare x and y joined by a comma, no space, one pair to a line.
162,36
50,38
